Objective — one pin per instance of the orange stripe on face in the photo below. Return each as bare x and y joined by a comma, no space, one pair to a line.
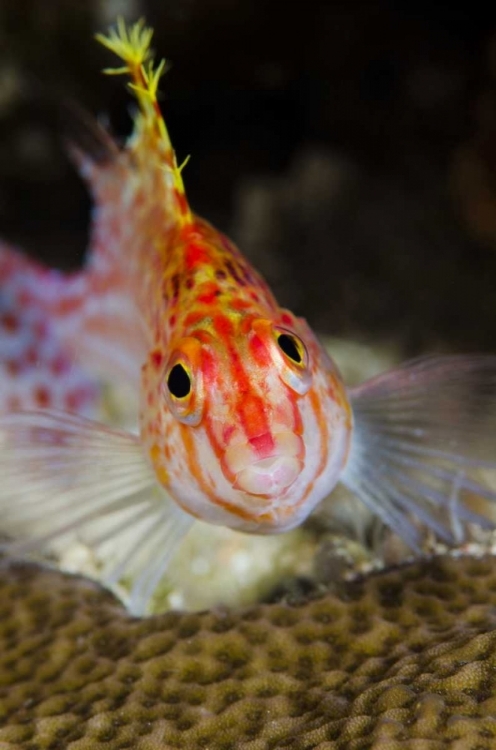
249,407
209,370
338,394
160,470
196,473
192,458
260,351
253,417
316,405
245,515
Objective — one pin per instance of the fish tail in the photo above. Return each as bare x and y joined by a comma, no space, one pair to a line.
424,446
132,45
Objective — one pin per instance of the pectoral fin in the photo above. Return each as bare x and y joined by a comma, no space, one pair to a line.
66,479
424,445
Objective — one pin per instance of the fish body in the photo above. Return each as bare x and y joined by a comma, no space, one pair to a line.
244,420
261,423
30,299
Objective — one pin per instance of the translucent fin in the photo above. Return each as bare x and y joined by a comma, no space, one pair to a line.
68,480
85,137
424,445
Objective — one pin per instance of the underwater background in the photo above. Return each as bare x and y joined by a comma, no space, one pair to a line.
348,148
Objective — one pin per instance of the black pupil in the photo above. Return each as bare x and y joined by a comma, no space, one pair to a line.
178,382
288,346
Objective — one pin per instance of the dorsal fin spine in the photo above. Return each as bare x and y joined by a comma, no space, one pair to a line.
132,46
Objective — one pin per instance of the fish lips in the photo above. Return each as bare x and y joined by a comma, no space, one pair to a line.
269,472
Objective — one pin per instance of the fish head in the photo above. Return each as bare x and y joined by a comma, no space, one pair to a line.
258,422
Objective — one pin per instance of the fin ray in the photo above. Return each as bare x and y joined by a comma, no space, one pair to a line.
425,440
66,478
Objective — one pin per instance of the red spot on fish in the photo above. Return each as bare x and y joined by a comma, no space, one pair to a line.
254,296
193,318
246,324
31,356
172,321
156,358
9,322
76,399
222,325
209,292
72,400
286,319
175,281
240,304
263,444
42,396
60,365
25,298
196,255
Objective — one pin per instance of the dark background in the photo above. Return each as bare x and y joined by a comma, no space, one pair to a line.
349,148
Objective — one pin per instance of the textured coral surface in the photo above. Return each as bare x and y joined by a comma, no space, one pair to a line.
405,658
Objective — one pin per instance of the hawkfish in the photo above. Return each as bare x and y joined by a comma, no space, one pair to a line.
244,419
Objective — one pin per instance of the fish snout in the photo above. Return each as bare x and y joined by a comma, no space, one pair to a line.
267,465
269,476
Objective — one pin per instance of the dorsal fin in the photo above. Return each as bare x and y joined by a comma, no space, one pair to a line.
132,45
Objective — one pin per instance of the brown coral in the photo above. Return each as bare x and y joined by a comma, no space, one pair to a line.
404,655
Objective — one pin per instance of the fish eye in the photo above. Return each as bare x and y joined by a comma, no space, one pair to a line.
291,347
182,382
179,381
292,360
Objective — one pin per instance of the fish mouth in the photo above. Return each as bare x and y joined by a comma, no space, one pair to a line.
269,471
269,476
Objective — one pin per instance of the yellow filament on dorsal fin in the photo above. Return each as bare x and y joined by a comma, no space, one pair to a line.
132,45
